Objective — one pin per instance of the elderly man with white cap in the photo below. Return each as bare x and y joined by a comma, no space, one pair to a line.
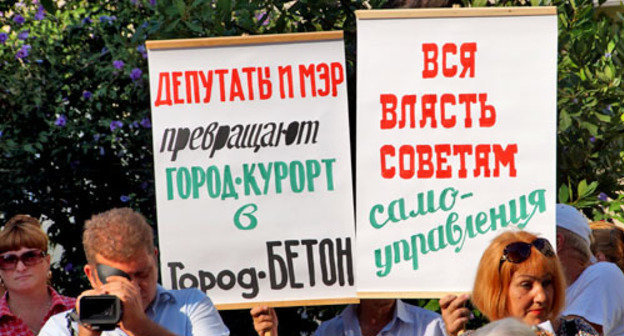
595,290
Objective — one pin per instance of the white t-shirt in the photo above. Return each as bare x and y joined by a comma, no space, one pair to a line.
598,296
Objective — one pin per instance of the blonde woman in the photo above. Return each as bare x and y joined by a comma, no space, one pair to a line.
519,276
24,271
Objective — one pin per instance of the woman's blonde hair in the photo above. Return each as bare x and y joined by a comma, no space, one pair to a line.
491,287
22,231
608,239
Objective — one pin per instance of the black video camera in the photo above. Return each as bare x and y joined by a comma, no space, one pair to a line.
102,312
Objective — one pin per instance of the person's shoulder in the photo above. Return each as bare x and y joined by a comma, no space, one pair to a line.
186,295
61,302
336,325
605,272
605,266
333,326
190,299
56,325
420,313
60,317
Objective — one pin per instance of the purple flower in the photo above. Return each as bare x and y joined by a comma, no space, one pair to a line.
107,19
141,49
86,94
3,37
23,34
69,267
144,185
118,64
61,120
575,101
262,18
607,55
602,196
146,123
115,124
96,136
592,139
40,14
124,198
23,51
102,152
19,19
1,132
135,74
86,20
152,2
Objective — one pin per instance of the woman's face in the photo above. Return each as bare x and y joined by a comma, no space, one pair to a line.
25,278
531,296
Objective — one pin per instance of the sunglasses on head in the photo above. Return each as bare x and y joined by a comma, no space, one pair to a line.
9,261
520,251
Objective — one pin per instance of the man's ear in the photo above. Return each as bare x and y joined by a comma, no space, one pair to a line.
560,242
91,274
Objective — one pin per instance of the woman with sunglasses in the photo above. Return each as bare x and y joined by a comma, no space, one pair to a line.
519,276
24,271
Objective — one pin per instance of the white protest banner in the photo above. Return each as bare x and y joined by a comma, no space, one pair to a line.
252,168
456,127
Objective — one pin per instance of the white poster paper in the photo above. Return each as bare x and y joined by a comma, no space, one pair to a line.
253,171
456,127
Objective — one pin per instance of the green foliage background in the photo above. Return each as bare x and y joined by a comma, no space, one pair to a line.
75,137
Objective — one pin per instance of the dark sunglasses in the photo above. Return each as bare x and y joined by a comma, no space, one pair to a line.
520,251
9,261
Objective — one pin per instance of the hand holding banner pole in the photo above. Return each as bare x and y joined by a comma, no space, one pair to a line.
264,320
454,313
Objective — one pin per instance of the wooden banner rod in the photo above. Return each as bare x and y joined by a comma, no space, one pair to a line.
292,303
243,40
453,12
405,295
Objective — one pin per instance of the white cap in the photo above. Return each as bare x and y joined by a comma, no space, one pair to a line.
571,219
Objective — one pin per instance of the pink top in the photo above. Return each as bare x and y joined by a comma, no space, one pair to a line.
11,325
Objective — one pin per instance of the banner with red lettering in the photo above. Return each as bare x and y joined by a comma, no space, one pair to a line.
253,169
456,127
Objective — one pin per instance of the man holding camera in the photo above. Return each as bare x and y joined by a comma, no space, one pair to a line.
121,240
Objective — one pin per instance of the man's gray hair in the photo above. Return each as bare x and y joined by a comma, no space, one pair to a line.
576,243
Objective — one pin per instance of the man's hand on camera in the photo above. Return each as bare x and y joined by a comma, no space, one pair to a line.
133,318
83,329
134,321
